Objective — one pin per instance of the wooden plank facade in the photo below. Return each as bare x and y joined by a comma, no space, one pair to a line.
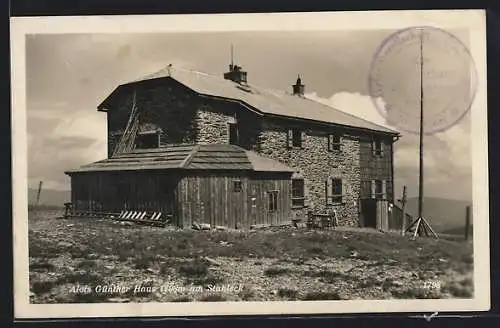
235,200
222,185
117,191
229,199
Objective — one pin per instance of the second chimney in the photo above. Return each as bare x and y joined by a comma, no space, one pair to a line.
298,87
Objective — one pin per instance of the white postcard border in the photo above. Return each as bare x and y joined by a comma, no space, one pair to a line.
21,26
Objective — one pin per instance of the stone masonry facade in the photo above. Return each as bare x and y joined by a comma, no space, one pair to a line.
315,164
211,127
177,118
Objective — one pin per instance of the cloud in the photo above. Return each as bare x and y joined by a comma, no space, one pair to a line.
82,124
356,104
60,139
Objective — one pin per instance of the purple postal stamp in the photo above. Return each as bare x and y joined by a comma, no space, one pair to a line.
422,66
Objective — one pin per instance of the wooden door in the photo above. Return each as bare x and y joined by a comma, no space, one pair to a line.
368,213
166,194
272,207
253,201
382,214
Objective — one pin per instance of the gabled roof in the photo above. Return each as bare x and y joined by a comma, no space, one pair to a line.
264,101
190,157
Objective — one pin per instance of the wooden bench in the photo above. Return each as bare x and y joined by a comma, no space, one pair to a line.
136,216
322,220
145,217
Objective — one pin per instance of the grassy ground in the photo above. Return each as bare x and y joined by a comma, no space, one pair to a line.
75,260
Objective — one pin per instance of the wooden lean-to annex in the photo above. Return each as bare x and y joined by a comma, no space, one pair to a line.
221,185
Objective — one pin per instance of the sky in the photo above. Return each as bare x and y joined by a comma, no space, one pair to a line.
68,75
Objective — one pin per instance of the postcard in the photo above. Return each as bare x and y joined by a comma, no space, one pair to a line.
250,164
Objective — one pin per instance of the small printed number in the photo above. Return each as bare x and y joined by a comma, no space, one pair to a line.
432,284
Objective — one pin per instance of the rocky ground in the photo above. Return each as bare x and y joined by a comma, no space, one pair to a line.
77,260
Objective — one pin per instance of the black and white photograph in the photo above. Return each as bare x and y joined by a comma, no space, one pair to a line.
250,164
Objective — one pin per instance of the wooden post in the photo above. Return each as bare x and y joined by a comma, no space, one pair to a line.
467,222
67,210
403,205
38,193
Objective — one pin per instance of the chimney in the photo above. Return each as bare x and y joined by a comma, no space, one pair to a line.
235,73
298,87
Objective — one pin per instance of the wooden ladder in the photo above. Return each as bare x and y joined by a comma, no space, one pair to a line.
127,140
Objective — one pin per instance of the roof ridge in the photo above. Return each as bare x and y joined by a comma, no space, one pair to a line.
271,91
349,114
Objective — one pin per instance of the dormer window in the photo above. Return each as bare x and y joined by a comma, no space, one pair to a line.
147,140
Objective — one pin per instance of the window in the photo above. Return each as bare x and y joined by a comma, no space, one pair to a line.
337,190
377,147
295,138
272,200
233,133
334,191
379,189
333,142
147,140
237,186
298,192
243,77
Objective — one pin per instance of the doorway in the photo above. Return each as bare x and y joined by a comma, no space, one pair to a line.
166,195
368,213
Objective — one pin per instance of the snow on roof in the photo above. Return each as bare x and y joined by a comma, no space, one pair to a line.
190,157
265,101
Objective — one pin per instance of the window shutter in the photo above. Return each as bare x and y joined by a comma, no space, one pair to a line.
345,189
381,149
373,189
329,190
384,189
302,139
374,148
290,138
330,142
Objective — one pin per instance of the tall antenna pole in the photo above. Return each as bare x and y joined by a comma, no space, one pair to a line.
420,222
421,164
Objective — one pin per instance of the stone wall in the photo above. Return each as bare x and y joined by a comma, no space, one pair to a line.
167,108
180,117
315,164
211,127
